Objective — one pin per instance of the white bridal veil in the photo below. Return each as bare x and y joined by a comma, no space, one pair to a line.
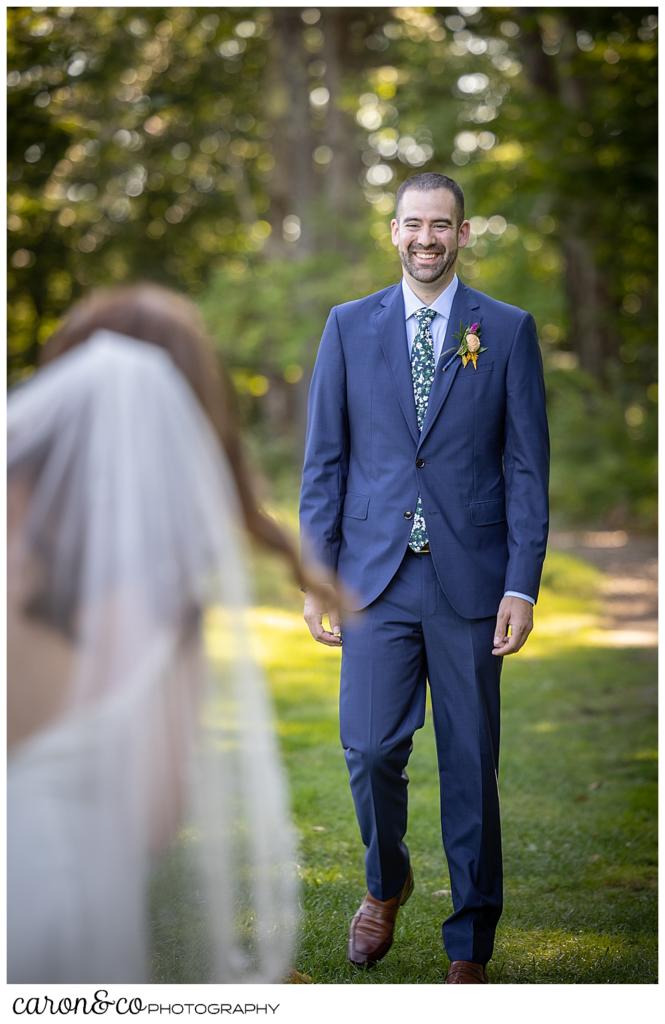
148,830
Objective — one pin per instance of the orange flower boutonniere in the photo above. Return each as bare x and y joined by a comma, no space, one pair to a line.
469,344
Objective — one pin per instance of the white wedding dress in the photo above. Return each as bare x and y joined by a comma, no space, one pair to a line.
148,834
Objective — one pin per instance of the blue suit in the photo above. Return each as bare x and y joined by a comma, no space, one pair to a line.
480,465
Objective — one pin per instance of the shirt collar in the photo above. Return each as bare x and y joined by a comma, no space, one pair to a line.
441,305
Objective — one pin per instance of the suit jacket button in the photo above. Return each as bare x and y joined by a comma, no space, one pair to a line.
408,515
420,463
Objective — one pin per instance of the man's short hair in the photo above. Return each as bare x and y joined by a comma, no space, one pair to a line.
427,182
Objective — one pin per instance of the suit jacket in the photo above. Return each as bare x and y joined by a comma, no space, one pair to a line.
480,463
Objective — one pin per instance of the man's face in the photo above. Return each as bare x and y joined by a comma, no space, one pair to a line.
426,234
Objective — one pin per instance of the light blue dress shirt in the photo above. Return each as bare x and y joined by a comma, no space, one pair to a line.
442,306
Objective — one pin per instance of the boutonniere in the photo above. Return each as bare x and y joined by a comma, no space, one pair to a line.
469,344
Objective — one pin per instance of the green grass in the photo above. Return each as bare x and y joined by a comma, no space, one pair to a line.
578,791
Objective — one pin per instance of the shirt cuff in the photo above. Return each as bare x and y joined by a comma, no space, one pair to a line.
516,593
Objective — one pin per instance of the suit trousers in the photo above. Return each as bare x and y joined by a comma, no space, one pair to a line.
410,635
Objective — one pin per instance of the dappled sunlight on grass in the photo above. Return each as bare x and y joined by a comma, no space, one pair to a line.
622,638
297,667
646,755
541,956
566,618
273,618
560,625
544,727
628,877
569,576
549,945
302,729
313,876
578,796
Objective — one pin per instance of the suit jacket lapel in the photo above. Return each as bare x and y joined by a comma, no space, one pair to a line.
391,325
448,365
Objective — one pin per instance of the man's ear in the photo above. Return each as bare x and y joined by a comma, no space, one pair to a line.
464,233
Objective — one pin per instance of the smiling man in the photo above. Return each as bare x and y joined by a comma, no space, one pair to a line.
425,486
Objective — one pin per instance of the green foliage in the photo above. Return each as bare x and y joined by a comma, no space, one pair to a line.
278,307
177,144
604,461
133,139
553,130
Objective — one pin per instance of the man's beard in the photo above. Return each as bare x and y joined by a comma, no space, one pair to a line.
427,273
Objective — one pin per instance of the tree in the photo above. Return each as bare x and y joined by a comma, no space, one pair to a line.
249,156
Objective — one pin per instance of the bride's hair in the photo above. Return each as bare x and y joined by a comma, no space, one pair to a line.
162,317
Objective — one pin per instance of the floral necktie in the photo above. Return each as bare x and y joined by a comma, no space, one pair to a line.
422,373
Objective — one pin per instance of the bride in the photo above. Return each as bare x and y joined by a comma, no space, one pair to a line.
148,829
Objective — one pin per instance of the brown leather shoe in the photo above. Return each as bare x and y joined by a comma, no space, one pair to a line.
464,972
371,932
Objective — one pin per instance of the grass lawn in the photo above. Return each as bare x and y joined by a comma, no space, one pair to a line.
578,792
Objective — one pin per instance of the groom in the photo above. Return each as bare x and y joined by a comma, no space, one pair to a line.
425,486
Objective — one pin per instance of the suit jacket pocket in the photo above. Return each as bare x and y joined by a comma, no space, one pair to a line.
488,511
355,506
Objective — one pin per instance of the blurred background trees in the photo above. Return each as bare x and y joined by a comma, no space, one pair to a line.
249,156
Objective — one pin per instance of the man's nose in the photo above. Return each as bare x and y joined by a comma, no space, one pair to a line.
425,236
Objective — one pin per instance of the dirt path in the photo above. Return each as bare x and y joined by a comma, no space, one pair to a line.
630,587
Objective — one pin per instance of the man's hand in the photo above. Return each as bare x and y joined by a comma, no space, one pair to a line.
518,614
315,609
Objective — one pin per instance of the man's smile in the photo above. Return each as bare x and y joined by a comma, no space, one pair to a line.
427,264
426,257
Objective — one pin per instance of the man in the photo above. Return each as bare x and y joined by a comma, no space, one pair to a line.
425,486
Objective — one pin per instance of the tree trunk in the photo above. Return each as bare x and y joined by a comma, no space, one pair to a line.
292,184
327,200
592,314
342,180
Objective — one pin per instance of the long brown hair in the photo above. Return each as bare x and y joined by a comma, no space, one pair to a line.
165,318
